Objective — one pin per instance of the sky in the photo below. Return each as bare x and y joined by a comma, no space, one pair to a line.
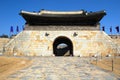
10,9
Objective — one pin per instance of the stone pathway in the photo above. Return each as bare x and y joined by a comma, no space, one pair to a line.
62,68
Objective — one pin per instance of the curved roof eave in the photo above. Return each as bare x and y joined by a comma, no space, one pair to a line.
60,14
71,16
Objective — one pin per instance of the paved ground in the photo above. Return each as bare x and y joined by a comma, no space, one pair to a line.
62,68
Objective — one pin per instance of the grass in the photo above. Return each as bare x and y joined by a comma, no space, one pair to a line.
9,65
106,64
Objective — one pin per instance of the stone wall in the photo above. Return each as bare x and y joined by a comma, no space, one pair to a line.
115,37
37,43
117,41
3,42
62,27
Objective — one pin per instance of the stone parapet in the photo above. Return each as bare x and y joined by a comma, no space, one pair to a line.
61,27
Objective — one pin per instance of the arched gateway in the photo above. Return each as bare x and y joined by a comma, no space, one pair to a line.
63,46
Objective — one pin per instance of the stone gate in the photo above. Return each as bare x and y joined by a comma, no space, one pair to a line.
53,33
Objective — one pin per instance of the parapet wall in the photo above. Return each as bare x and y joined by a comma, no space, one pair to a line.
37,43
61,27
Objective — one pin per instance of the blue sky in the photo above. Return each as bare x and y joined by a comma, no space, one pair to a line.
10,9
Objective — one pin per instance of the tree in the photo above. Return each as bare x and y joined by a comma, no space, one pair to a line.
4,36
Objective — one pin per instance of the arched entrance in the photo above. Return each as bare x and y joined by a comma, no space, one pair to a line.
63,46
